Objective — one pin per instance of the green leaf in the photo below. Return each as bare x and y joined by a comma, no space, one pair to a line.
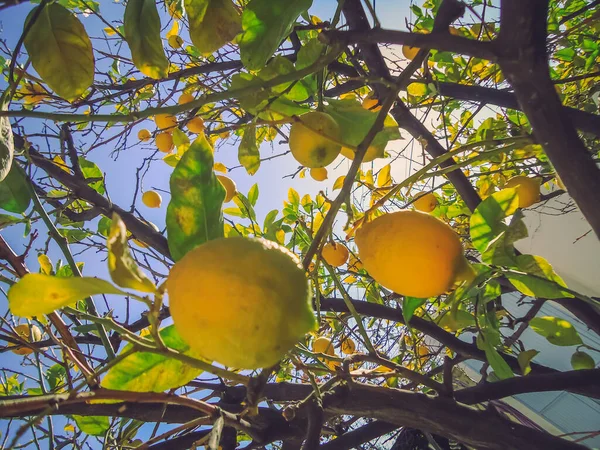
37,294
60,51
456,320
278,66
151,372
265,23
542,282
92,425
6,220
123,269
557,331
497,362
524,360
14,191
487,221
409,305
73,235
142,31
213,23
7,145
104,226
194,213
500,251
181,141
91,170
248,153
253,194
581,360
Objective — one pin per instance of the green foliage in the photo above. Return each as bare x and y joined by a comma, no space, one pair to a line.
213,23
557,331
487,221
92,425
7,146
15,196
248,154
194,213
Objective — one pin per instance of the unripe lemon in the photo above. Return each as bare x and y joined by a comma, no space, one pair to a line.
165,121
27,332
151,199
527,188
229,185
370,103
196,125
425,202
318,173
164,142
581,360
335,254
410,52
144,135
175,41
348,346
411,253
311,148
323,345
372,153
241,302
185,98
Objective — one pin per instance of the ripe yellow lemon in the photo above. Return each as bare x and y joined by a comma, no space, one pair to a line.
323,345
311,148
372,153
165,122
144,135
425,202
348,346
411,253
196,125
29,333
527,188
241,302
164,142
335,254
410,52
318,173
371,103
185,98
229,185
175,41
151,199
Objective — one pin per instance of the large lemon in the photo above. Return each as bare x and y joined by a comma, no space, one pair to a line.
527,188
411,253
308,141
241,302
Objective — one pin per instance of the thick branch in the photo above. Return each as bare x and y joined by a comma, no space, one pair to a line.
354,438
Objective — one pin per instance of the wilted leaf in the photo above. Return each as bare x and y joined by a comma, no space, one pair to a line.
150,372
123,269
265,23
213,23
60,51
524,360
556,331
536,285
92,425
37,294
142,31
14,191
487,221
194,213
7,145
248,153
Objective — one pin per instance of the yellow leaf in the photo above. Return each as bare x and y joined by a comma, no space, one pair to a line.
368,178
293,196
318,221
69,428
45,264
417,89
110,31
385,177
302,173
61,163
220,167
280,235
174,31
339,183
37,294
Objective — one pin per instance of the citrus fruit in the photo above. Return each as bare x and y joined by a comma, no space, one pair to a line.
144,135
323,345
372,152
27,332
371,103
335,254
411,253
175,41
241,302
580,360
185,98
196,125
151,199
165,121
348,346
425,202
164,142
318,173
354,263
311,148
409,52
527,188
229,185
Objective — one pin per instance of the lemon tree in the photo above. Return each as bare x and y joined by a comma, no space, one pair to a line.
223,217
